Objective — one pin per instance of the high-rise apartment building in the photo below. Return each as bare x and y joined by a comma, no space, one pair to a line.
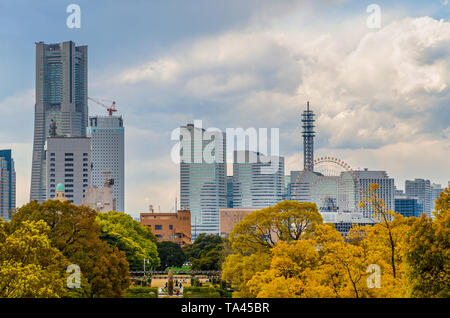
421,189
107,139
203,185
69,163
61,96
7,185
385,191
258,180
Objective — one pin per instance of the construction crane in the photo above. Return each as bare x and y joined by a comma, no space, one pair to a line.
111,109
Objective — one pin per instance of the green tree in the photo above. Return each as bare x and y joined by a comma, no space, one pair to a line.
136,241
428,252
76,234
170,254
206,253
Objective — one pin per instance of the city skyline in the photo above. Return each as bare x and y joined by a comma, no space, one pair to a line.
400,126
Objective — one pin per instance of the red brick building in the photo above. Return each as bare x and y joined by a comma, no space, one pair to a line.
174,227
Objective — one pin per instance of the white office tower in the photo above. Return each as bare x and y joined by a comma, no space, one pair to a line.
258,180
108,158
69,163
385,191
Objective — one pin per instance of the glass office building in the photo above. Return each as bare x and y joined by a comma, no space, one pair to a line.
258,180
408,206
203,185
7,185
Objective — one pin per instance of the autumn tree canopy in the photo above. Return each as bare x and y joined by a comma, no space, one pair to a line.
396,257
253,239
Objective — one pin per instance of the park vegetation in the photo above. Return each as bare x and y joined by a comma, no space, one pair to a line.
128,235
280,251
40,242
206,253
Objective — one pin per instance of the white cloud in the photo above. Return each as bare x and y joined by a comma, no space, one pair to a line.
18,102
163,70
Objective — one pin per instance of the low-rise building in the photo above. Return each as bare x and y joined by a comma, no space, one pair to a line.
174,227
229,217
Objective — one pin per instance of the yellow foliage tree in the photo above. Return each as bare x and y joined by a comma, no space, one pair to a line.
404,256
29,265
254,237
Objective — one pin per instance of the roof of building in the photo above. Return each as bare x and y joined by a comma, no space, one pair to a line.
60,187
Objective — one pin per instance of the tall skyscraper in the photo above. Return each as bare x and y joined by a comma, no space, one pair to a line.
107,139
258,180
385,191
61,95
308,138
202,177
69,163
421,189
7,185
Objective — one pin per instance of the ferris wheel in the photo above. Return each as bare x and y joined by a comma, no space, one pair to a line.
329,173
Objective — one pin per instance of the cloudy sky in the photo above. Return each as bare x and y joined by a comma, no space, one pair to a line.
381,95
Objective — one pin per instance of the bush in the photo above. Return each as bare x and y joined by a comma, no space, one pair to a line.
200,292
176,270
196,282
141,292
